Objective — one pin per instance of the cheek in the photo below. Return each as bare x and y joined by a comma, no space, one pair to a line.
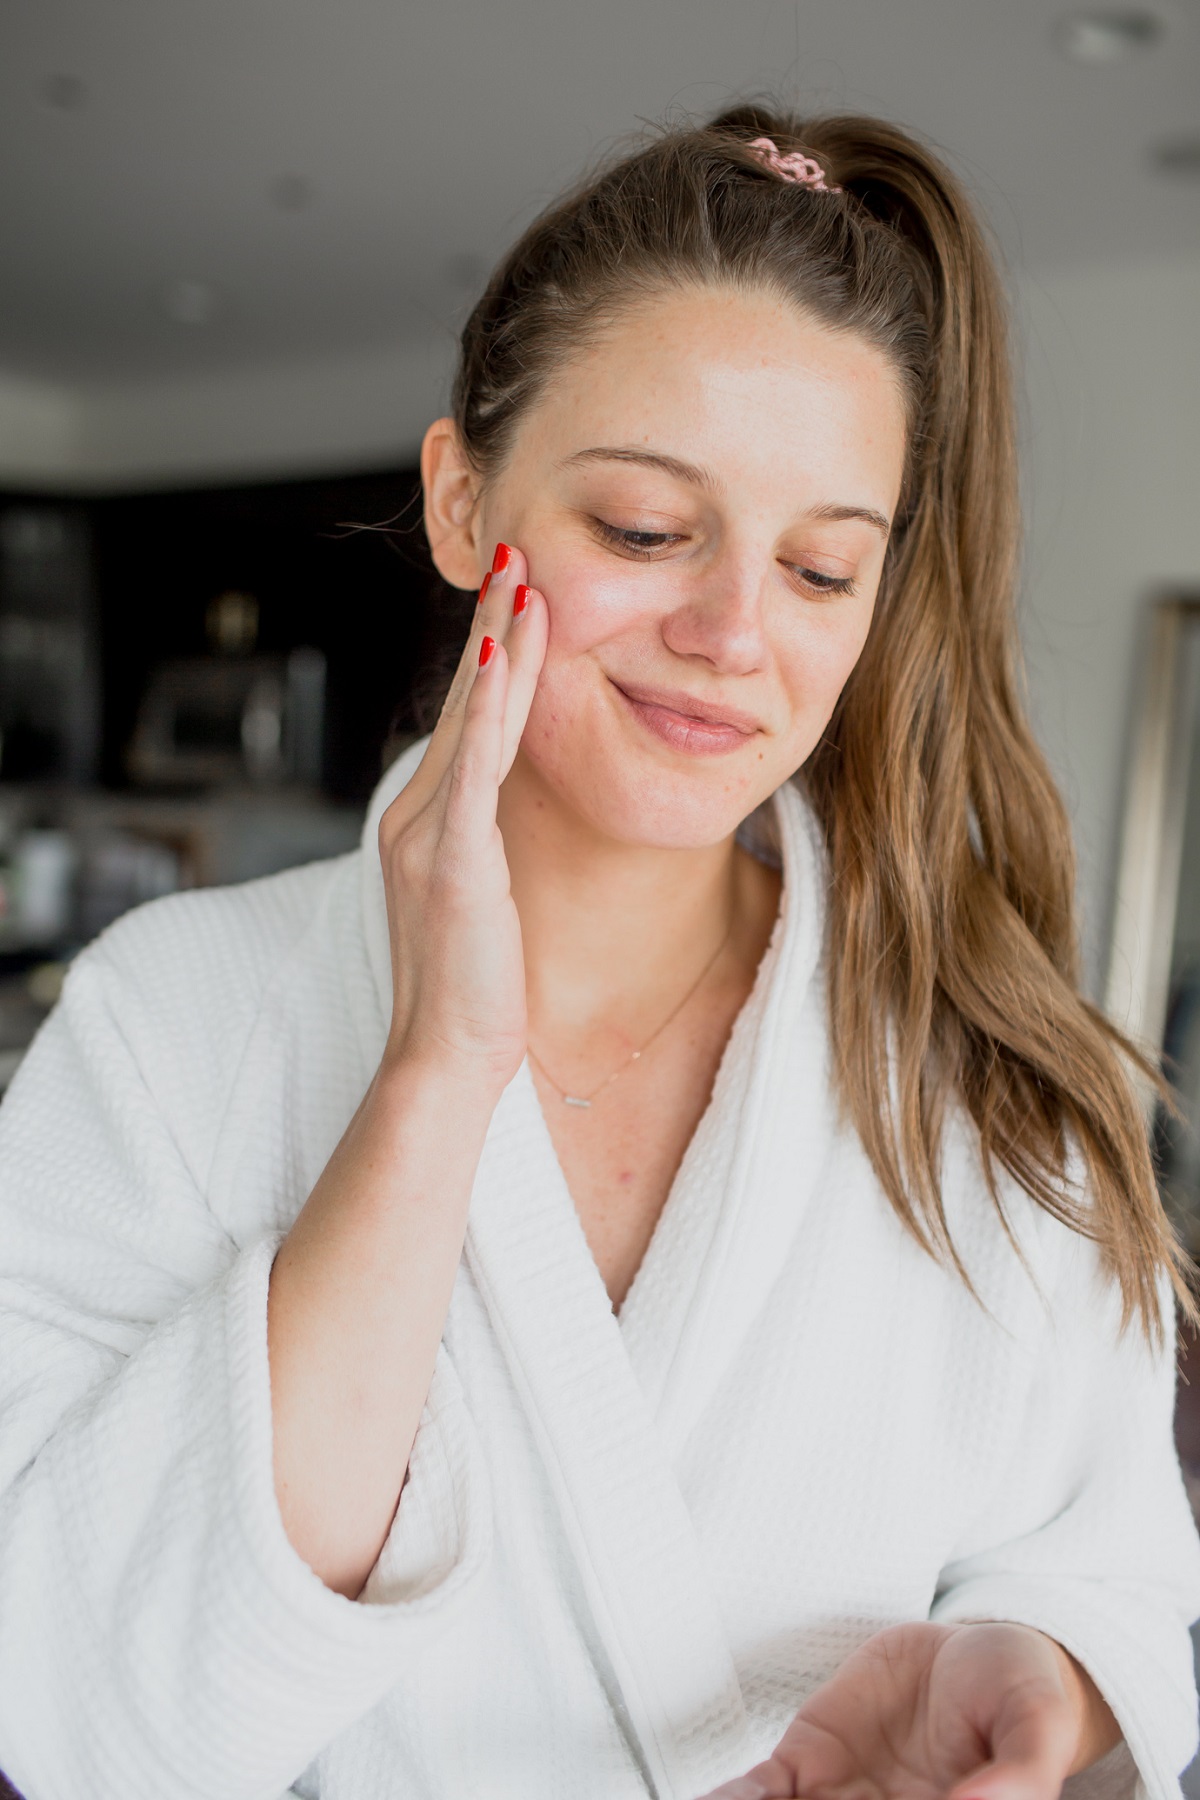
816,665
584,615
591,603
592,607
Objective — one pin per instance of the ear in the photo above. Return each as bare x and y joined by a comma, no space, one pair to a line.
451,487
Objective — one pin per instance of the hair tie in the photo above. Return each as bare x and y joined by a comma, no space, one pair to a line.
795,167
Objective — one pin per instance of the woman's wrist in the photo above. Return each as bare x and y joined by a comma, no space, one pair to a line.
465,1083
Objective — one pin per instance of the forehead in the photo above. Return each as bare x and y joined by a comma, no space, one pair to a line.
744,382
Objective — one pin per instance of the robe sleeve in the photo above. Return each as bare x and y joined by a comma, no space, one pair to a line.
1089,1536
159,1637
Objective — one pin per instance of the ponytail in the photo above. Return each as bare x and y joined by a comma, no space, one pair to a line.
952,945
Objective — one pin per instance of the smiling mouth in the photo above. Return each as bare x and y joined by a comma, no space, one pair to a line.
685,723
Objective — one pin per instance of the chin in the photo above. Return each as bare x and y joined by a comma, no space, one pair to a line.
678,820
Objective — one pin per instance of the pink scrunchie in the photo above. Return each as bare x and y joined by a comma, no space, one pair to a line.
793,167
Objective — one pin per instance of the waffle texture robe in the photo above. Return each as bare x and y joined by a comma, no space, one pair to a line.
630,1546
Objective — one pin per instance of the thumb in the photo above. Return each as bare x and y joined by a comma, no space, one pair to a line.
1032,1758
765,1781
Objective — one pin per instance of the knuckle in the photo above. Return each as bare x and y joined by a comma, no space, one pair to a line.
406,853
463,779
407,858
391,823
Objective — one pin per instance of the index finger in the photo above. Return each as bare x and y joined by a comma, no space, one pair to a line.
494,615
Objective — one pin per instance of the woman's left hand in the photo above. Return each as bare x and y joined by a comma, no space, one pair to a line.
939,1712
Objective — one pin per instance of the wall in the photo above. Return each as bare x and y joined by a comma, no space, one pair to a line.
356,411
39,432
1112,444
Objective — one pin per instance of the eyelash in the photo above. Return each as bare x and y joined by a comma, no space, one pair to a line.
824,584
638,543
645,543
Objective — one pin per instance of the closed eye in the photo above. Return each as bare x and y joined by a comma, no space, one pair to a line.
647,543
637,543
818,583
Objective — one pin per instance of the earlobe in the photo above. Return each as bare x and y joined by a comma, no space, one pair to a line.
451,488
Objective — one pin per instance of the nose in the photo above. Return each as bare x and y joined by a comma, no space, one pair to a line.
721,620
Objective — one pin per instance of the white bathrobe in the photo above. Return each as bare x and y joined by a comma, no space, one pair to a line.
630,1546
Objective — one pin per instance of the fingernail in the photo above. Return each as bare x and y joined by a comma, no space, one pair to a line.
483,590
485,651
500,560
520,600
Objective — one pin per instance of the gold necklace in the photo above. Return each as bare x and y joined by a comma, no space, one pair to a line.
586,1099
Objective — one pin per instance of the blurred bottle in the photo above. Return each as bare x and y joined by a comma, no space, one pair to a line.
44,871
120,871
304,716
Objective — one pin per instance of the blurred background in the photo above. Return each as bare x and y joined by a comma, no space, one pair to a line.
237,239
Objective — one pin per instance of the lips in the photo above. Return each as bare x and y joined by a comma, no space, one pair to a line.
694,726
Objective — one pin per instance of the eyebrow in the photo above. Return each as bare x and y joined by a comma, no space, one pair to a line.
650,459
835,514
695,476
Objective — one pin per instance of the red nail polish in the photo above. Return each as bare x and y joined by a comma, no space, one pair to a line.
483,590
500,560
485,651
520,600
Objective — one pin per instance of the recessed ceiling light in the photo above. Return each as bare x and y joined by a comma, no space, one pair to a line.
292,193
1178,156
189,302
1107,37
65,92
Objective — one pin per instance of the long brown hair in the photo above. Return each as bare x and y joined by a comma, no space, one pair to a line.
952,946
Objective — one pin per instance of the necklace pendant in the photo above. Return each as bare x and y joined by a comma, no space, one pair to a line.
574,1100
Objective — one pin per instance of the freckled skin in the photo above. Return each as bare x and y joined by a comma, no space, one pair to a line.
789,417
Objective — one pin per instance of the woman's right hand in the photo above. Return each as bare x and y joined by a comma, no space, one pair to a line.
362,1282
458,973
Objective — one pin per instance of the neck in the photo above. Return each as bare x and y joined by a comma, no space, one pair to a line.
608,928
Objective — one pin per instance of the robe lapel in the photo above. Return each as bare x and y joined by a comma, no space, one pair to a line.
633,1539
770,1128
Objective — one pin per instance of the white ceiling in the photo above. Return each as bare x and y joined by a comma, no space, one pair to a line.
142,143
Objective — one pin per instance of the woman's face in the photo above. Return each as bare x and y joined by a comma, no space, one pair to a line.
703,496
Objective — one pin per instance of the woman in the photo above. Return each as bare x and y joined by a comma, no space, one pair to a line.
730,1340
